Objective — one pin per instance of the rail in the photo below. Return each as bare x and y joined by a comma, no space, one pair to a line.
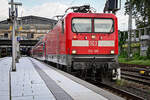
123,93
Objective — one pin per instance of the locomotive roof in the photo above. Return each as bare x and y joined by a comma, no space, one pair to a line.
105,15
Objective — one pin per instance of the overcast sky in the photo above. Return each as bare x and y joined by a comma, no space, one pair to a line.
50,8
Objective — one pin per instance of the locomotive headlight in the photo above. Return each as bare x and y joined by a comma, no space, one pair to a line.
74,51
93,36
75,37
112,52
85,37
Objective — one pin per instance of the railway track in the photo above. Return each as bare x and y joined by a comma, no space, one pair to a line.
116,90
140,81
131,73
133,65
132,69
136,82
125,94
128,94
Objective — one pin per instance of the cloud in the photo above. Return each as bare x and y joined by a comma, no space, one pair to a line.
3,9
48,10
123,19
123,22
45,10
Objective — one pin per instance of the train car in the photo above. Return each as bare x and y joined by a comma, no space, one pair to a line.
38,51
3,52
84,42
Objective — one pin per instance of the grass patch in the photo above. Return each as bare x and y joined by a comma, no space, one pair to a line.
120,82
139,61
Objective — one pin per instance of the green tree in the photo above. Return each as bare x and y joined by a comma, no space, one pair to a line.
140,11
122,40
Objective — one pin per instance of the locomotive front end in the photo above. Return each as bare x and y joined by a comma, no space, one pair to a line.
94,45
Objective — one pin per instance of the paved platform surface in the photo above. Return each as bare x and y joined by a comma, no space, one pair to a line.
75,90
26,83
33,80
4,78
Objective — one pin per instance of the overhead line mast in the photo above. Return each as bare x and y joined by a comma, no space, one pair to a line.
13,14
129,30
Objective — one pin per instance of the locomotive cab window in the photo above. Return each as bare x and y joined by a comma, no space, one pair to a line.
103,25
82,25
63,27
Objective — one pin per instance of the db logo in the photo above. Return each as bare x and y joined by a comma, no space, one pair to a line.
93,43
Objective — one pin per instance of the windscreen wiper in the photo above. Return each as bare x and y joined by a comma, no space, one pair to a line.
73,25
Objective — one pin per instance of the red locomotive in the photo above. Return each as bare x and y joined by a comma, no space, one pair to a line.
83,42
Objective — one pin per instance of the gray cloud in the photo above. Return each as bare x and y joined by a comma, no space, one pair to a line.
46,10
3,9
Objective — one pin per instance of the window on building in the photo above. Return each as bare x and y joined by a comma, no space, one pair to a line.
30,35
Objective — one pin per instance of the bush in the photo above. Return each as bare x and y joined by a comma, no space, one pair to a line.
136,55
141,58
123,54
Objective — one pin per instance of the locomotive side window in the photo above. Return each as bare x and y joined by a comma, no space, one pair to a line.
103,25
62,27
82,25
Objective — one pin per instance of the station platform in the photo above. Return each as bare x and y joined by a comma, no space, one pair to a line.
34,80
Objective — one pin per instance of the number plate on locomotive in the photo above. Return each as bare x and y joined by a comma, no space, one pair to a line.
93,43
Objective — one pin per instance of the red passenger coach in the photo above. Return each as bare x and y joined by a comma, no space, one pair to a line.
83,42
38,51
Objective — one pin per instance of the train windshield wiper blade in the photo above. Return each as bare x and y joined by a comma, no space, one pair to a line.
73,25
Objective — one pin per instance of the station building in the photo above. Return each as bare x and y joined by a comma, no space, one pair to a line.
29,30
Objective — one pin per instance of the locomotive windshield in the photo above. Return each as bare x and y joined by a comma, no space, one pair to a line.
103,25
84,25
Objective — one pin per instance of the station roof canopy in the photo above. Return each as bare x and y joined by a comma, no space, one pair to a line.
33,20
28,21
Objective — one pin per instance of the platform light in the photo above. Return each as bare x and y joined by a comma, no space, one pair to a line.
93,36
112,52
74,51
